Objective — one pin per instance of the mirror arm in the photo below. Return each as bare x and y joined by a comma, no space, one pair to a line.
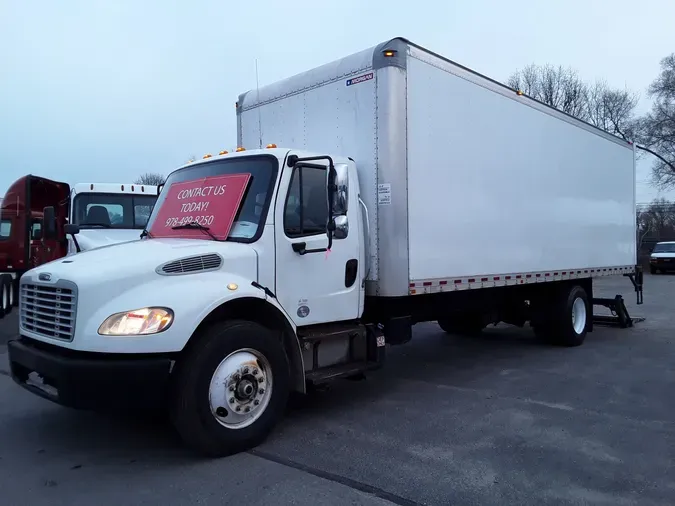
77,244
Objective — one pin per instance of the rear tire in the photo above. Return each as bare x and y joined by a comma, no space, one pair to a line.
236,364
566,321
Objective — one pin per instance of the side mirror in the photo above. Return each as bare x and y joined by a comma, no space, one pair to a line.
160,187
71,229
49,223
341,196
341,227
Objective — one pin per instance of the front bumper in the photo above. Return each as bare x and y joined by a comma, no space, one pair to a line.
84,380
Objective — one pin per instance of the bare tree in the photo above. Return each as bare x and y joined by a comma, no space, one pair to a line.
150,178
658,126
658,217
607,108
558,87
612,109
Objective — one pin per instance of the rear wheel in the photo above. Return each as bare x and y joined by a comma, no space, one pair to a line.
566,320
230,389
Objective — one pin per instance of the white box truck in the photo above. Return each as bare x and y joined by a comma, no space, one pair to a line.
408,189
43,220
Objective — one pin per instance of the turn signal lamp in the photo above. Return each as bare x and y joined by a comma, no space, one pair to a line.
519,92
271,146
240,149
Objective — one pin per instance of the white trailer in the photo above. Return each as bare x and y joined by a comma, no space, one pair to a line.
408,189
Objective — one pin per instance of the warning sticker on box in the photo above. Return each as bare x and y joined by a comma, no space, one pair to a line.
384,194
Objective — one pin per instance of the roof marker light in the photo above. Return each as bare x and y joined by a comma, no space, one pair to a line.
520,92
240,149
207,155
223,152
389,53
271,146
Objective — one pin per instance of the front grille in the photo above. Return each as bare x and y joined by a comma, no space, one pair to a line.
49,310
199,263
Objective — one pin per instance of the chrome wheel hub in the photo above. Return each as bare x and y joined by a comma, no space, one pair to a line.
240,388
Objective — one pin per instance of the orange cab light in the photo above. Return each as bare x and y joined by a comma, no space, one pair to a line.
389,53
271,146
223,152
240,149
207,155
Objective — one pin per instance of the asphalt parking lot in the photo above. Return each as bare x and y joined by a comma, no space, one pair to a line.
498,419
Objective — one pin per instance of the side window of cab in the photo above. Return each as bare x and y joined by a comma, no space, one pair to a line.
306,207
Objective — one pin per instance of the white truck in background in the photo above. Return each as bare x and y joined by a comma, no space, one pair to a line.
42,220
406,188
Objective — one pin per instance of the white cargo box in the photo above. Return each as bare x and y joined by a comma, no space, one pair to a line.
468,184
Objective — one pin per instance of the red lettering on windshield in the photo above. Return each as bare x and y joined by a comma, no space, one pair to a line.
212,202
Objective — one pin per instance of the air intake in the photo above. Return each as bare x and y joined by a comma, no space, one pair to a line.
189,265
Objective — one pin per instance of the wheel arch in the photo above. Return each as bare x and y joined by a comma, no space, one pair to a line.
264,313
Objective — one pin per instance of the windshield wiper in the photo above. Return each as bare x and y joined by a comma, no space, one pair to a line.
198,226
104,225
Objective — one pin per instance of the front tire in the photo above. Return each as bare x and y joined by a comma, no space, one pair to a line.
230,389
5,295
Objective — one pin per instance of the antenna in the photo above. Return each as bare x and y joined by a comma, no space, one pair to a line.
257,89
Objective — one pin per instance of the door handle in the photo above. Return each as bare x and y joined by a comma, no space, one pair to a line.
299,247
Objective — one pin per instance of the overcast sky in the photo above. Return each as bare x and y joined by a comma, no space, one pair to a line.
103,90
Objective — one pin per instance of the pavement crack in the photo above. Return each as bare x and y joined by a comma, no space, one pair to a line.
342,480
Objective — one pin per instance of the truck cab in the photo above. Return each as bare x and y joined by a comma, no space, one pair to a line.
265,246
36,211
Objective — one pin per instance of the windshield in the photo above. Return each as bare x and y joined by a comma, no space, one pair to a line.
112,210
664,248
250,215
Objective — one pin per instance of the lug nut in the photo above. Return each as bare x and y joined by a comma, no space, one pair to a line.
255,372
245,370
231,389
261,391
260,380
256,402
231,400
238,408
247,409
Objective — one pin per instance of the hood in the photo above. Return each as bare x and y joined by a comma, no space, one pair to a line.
90,238
118,266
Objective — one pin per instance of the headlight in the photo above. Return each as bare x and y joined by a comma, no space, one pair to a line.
139,322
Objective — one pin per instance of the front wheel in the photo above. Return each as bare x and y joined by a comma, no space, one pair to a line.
230,389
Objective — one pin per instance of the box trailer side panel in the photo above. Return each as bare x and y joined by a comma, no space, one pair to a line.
497,186
329,109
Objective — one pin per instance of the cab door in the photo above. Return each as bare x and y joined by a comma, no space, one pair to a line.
314,285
